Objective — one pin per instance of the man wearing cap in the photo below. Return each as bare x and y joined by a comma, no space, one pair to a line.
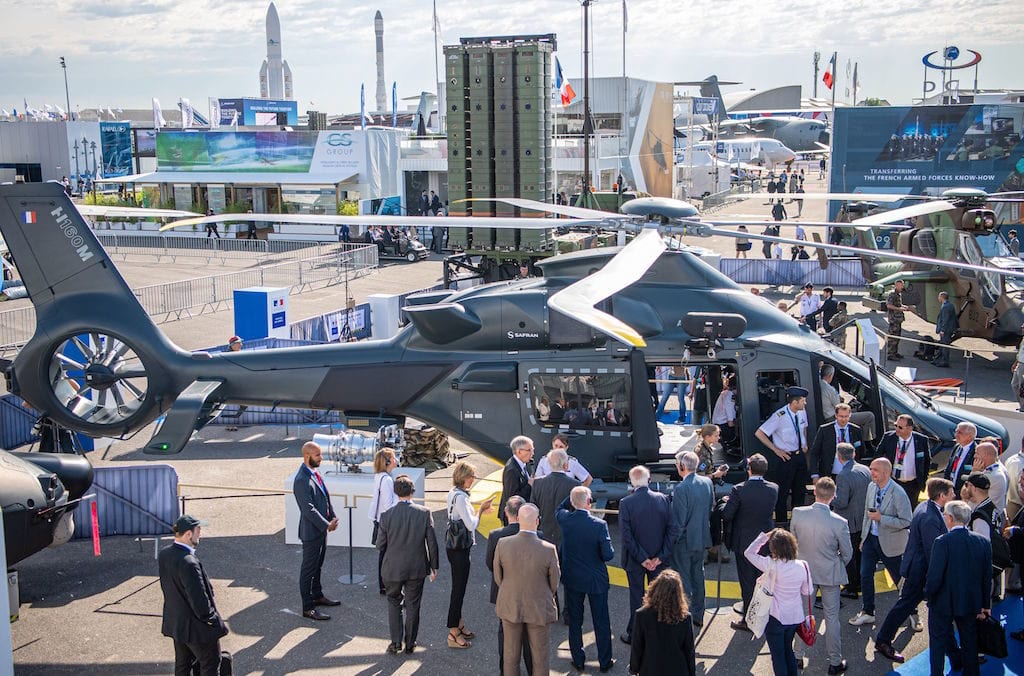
894,304
190,616
810,304
235,344
316,519
784,433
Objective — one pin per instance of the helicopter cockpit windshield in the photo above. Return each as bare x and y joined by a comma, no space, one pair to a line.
992,246
969,251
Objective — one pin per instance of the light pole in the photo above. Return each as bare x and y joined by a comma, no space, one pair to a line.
67,96
95,170
78,172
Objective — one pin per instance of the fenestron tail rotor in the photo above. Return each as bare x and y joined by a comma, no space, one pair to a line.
99,379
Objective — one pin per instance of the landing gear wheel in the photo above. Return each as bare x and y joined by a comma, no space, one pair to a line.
99,379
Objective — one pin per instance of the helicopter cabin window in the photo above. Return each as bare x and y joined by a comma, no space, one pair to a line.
581,400
771,390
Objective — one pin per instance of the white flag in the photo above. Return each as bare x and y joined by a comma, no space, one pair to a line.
110,112
158,116
187,114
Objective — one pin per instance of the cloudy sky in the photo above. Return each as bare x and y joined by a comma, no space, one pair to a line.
121,53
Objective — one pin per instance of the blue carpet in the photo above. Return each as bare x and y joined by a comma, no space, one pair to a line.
1011,613
670,418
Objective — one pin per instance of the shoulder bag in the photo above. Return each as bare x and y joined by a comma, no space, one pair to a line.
761,602
807,629
457,536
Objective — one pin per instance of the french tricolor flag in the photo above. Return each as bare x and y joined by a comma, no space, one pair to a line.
29,217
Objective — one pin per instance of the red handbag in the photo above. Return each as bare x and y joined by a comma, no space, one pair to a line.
808,629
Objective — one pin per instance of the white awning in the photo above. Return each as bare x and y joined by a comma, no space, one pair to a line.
235,177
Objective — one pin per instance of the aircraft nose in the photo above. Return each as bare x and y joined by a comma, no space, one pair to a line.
823,138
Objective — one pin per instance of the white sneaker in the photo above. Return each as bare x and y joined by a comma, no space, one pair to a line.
862,618
914,622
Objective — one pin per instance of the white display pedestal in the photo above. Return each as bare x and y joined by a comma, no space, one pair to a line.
346,489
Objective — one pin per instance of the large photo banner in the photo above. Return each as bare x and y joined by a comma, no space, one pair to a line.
262,151
116,144
926,150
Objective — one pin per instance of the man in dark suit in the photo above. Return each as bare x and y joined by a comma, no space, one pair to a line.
586,548
829,306
316,520
748,514
958,590
961,458
851,492
549,491
910,455
927,525
516,478
822,455
945,326
512,515
406,536
190,617
645,518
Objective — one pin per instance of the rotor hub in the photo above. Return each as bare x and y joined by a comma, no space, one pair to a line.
100,377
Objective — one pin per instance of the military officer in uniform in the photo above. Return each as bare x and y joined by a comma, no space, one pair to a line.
894,304
784,434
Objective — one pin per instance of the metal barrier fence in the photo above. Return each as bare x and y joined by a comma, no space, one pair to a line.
840,272
130,246
173,300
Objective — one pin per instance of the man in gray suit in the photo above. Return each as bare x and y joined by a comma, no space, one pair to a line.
406,536
946,325
851,491
824,539
549,491
883,535
691,529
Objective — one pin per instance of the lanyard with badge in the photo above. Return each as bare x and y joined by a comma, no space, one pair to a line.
796,428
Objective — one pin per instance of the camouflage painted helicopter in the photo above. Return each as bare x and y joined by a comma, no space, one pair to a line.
475,363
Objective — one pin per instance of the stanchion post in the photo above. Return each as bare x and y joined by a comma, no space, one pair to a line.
351,578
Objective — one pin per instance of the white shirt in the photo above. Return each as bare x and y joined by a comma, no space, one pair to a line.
384,497
829,399
998,489
1020,353
801,233
725,408
837,464
780,427
908,468
777,255
1014,465
576,470
459,508
809,304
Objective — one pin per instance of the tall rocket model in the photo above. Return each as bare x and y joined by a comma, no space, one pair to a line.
378,28
275,75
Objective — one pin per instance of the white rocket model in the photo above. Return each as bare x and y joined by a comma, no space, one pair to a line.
378,28
275,76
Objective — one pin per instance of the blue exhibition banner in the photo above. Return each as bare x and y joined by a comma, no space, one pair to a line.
926,150
116,146
705,105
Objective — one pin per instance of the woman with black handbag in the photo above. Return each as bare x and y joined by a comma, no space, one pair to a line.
384,497
458,539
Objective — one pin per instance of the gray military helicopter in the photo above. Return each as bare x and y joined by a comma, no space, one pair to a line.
483,364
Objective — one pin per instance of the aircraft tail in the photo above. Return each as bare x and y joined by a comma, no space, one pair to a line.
96,361
709,88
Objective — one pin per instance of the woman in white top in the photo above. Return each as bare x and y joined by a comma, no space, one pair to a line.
460,509
792,583
384,497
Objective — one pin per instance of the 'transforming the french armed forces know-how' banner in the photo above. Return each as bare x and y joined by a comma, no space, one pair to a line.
925,150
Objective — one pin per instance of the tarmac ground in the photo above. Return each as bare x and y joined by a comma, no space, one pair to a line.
86,614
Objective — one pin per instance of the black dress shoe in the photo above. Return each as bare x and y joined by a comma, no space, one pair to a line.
888,652
834,669
849,594
739,625
409,647
315,615
578,667
626,638
608,667
324,601
394,648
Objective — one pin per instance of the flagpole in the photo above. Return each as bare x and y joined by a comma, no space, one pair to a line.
623,150
835,65
585,188
437,74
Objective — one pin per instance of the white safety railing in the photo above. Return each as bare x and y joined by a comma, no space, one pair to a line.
132,246
186,298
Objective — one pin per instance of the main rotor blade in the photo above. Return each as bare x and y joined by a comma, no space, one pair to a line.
563,209
401,221
708,229
833,196
132,212
626,268
887,217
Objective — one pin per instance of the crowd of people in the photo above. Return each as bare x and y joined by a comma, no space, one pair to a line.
865,512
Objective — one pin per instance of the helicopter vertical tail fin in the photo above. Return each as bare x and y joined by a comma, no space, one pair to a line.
56,254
